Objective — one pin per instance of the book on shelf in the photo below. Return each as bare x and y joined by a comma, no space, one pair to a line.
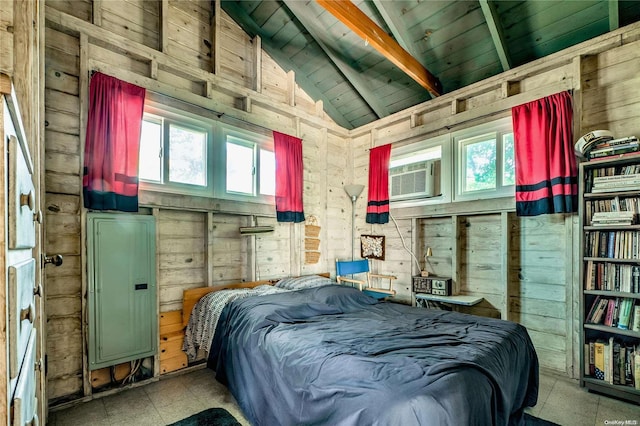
627,148
589,358
609,315
635,318
598,313
592,310
611,276
625,313
599,361
615,364
615,142
629,373
613,361
607,148
624,245
615,312
614,217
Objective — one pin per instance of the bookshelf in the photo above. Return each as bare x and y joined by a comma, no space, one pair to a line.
610,276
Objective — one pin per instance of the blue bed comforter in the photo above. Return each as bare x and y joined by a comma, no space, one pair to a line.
333,355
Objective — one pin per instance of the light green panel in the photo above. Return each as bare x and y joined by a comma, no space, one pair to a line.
122,288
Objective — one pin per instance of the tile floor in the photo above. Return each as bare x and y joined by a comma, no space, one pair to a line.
560,400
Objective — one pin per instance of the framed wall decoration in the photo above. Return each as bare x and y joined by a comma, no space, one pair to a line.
372,246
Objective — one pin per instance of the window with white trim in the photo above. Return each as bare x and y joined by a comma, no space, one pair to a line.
249,163
416,172
184,153
485,164
473,163
175,153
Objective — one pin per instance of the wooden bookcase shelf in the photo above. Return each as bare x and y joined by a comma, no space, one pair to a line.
620,245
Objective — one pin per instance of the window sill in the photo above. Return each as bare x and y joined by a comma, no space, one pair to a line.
489,205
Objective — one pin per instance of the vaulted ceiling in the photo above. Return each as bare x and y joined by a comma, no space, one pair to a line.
457,42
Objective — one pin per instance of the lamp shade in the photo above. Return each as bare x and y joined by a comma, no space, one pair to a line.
353,190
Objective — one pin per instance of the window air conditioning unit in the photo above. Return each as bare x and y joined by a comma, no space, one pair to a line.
415,180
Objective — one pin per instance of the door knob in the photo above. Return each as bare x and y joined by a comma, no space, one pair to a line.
28,314
56,260
28,200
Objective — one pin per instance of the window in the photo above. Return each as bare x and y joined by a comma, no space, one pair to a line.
250,166
485,161
175,153
426,172
415,172
416,175
185,153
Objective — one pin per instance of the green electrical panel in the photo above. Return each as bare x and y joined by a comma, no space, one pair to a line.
122,288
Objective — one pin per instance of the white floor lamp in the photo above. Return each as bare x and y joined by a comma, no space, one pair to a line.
353,191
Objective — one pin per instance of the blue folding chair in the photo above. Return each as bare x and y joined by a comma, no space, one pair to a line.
357,267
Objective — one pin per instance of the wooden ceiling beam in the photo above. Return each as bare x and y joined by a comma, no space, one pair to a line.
347,13
614,15
353,75
497,35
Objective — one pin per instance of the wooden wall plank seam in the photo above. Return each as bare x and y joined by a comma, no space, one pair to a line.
171,64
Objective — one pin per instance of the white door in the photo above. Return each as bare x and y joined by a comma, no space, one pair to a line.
22,293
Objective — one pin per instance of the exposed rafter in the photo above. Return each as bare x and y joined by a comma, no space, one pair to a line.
239,15
350,73
394,22
493,22
614,15
347,13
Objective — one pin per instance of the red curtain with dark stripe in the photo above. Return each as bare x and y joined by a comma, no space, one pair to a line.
378,205
289,178
110,176
546,171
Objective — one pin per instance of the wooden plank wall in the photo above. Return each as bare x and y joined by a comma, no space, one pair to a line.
605,91
181,254
168,47
62,215
479,265
526,269
6,38
538,267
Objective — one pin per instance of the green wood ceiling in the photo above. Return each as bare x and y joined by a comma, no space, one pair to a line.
460,42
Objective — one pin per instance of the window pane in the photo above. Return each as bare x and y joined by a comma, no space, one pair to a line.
151,151
267,172
508,168
480,165
187,156
240,168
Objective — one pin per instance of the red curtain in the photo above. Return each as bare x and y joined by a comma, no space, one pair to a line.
546,171
378,205
289,178
110,179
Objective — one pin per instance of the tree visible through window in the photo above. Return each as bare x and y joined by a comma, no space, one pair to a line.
486,162
184,153
509,159
480,165
187,156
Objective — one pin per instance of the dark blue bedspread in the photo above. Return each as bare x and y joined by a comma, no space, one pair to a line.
333,355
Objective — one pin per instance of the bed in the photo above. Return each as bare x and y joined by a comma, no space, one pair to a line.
330,354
